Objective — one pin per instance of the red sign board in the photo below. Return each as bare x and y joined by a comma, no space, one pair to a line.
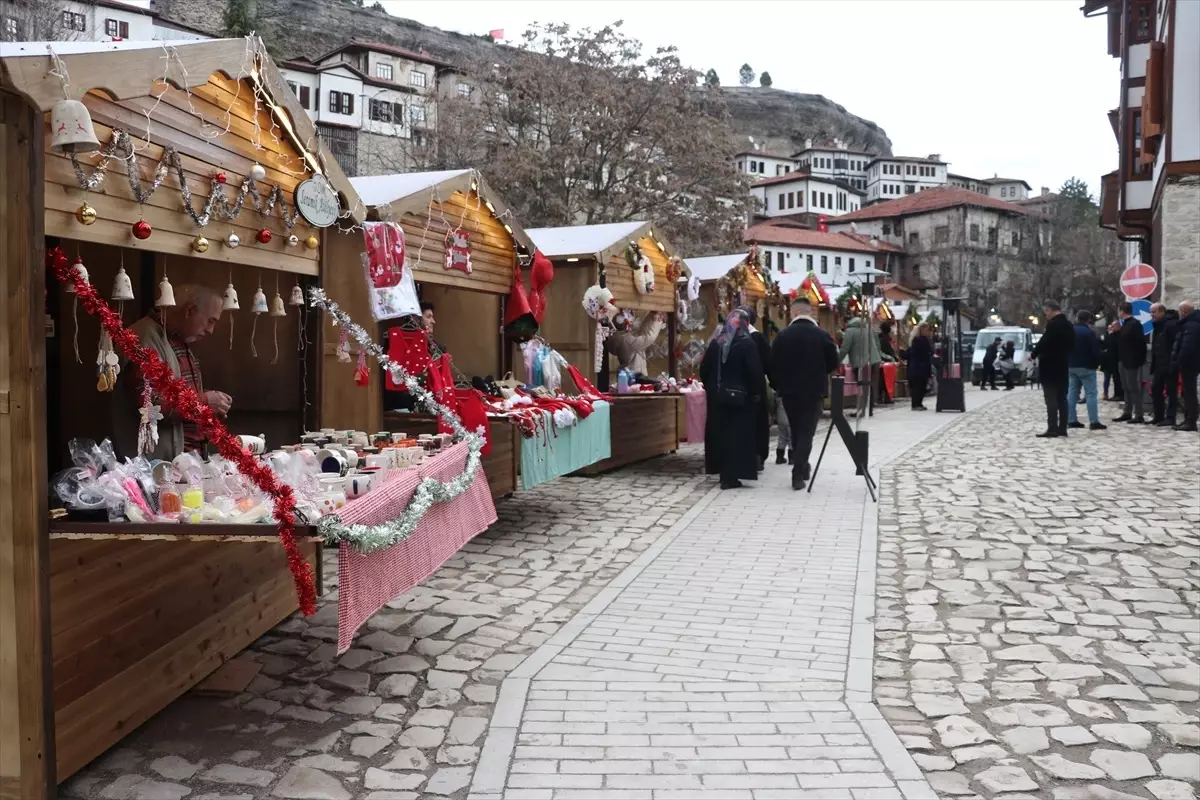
1138,281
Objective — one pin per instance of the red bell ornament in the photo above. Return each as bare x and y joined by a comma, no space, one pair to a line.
142,229
264,236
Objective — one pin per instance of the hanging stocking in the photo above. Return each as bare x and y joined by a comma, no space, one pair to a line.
362,375
150,414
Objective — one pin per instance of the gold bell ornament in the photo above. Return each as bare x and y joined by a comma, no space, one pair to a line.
166,294
71,128
81,272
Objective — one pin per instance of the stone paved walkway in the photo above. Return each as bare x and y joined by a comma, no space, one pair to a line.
731,661
1037,620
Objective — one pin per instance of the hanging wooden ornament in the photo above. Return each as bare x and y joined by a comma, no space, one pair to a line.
200,244
458,250
263,236
150,415
85,214
142,229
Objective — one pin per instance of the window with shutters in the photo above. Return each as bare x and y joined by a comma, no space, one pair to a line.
341,103
1141,21
851,268
808,262
12,30
1139,168
779,261
791,199
941,234
824,265
384,71
73,21
974,233
1016,240
993,238
304,96
343,144
417,78
782,200
1152,104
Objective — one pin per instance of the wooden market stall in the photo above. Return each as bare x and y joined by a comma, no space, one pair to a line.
103,624
726,281
642,425
468,306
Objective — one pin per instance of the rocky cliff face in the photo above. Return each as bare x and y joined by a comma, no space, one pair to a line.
779,121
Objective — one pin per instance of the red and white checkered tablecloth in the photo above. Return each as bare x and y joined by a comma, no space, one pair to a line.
366,582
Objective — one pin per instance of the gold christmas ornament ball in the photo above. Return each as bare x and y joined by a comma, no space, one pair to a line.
85,214
200,244
312,242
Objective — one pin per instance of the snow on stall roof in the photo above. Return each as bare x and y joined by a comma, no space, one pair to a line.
379,190
709,268
20,49
581,240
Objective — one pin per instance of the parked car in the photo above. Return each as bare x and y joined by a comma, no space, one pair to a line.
1022,339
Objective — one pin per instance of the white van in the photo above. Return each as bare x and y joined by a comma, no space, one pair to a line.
1022,339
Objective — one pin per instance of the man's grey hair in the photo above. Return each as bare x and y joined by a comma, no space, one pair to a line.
196,295
1186,307
1158,307
801,303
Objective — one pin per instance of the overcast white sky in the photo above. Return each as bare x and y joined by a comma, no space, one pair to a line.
1015,87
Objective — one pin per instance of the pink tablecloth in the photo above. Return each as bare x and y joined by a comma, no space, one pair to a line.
366,582
697,415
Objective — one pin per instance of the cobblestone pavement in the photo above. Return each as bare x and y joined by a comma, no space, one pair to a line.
403,713
1037,630
731,661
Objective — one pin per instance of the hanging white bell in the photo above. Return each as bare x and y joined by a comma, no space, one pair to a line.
258,173
297,298
79,269
230,301
122,286
166,294
259,306
277,309
71,128
232,240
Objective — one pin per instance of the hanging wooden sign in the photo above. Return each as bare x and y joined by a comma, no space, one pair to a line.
316,201
458,250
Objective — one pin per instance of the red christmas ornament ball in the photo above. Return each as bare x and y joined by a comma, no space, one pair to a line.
222,177
264,236
142,229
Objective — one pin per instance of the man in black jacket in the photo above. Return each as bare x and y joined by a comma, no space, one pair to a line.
1053,352
989,365
1185,360
1165,383
802,358
1131,350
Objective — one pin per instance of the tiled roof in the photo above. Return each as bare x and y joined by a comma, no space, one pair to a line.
762,154
390,49
928,200
998,181
795,175
806,237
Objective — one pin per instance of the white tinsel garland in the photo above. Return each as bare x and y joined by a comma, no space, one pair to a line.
367,538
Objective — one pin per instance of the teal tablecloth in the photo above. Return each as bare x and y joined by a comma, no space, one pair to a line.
584,443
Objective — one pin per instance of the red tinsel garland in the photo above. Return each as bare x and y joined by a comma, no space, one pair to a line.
180,397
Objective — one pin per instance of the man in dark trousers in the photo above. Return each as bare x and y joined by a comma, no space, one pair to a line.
802,358
989,365
1131,350
1185,360
1053,353
1164,382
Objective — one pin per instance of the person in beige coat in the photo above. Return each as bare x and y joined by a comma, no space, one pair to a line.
630,343
170,332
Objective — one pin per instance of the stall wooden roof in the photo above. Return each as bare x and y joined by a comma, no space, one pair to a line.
710,268
127,85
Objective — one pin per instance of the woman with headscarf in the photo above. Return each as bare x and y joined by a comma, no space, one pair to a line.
762,416
920,365
733,378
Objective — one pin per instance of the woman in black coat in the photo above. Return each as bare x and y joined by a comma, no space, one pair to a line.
920,366
1110,363
732,373
762,418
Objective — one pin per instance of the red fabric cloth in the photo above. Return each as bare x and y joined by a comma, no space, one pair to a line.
368,581
889,378
473,413
441,383
541,273
581,383
409,349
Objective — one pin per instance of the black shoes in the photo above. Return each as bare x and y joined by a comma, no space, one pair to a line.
1136,421
780,457
1165,423
1075,425
1186,427
732,485
1050,435
1122,418
1097,426
797,484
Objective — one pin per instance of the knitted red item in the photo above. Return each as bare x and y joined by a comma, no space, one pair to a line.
581,383
473,413
409,349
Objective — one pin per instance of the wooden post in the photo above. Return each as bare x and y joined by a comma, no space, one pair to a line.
26,715
672,343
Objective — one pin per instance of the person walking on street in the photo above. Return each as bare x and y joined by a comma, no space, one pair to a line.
1131,350
803,357
989,365
762,419
1006,364
1185,360
1053,352
863,351
1164,383
1081,373
920,366
784,454
732,373
1111,363
887,350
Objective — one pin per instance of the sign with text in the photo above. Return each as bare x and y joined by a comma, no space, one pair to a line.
317,202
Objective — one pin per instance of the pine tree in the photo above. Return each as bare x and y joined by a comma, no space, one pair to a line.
238,18
746,75
765,80
711,79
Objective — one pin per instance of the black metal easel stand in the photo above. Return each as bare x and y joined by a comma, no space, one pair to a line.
857,444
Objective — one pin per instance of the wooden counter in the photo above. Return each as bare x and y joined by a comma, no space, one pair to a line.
502,465
137,623
643,426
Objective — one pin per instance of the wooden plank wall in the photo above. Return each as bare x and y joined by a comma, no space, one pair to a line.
215,129
26,733
266,396
492,247
620,280
137,623
642,428
345,404
468,325
565,326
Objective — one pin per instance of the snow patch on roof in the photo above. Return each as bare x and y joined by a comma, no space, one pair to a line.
709,268
581,240
379,190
